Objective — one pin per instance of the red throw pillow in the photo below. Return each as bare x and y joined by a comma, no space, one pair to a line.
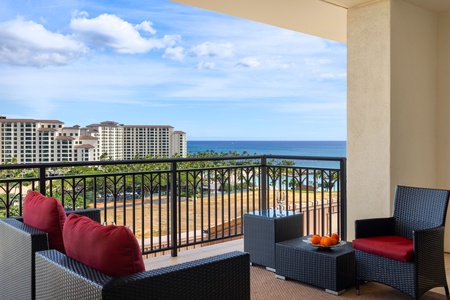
112,250
46,214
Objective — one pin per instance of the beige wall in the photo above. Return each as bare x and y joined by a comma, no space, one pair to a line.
443,111
413,95
368,112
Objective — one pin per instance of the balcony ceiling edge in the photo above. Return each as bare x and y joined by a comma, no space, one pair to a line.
312,17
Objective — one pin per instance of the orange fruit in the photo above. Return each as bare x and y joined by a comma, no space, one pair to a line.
326,241
315,239
335,236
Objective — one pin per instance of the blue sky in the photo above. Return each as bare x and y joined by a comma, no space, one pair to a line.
156,62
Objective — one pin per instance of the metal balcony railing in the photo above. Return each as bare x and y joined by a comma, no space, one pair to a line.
174,203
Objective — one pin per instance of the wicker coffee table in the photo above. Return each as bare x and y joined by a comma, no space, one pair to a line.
263,229
332,269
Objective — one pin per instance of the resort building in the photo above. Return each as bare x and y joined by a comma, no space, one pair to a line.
142,140
40,141
110,140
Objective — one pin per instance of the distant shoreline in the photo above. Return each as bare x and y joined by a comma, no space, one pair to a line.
289,148
267,141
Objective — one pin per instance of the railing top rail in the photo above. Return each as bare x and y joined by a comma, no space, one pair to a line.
327,158
163,160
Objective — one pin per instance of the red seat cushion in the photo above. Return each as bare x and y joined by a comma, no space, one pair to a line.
46,214
112,250
393,247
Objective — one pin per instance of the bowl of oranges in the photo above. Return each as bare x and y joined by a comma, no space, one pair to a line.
325,241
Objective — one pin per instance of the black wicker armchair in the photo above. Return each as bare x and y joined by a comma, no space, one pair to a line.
418,215
19,242
225,276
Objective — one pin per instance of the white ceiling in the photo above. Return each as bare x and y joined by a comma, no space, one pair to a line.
431,5
305,16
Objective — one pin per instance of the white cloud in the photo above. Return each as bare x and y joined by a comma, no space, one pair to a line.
175,53
110,31
171,40
27,43
250,62
213,50
146,26
206,65
312,61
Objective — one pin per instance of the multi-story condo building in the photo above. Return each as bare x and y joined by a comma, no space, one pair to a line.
36,141
110,142
141,141
179,143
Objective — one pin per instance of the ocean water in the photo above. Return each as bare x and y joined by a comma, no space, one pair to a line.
294,148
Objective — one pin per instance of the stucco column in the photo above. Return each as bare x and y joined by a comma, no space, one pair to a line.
368,112
392,104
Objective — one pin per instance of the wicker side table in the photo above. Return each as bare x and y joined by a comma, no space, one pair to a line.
332,269
263,229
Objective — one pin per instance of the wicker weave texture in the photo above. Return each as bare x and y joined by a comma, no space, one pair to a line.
225,276
17,249
331,269
59,277
419,208
262,230
19,242
419,214
379,269
92,213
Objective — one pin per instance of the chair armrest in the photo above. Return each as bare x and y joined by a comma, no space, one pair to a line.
429,254
429,241
18,244
61,277
225,276
22,235
92,213
374,227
